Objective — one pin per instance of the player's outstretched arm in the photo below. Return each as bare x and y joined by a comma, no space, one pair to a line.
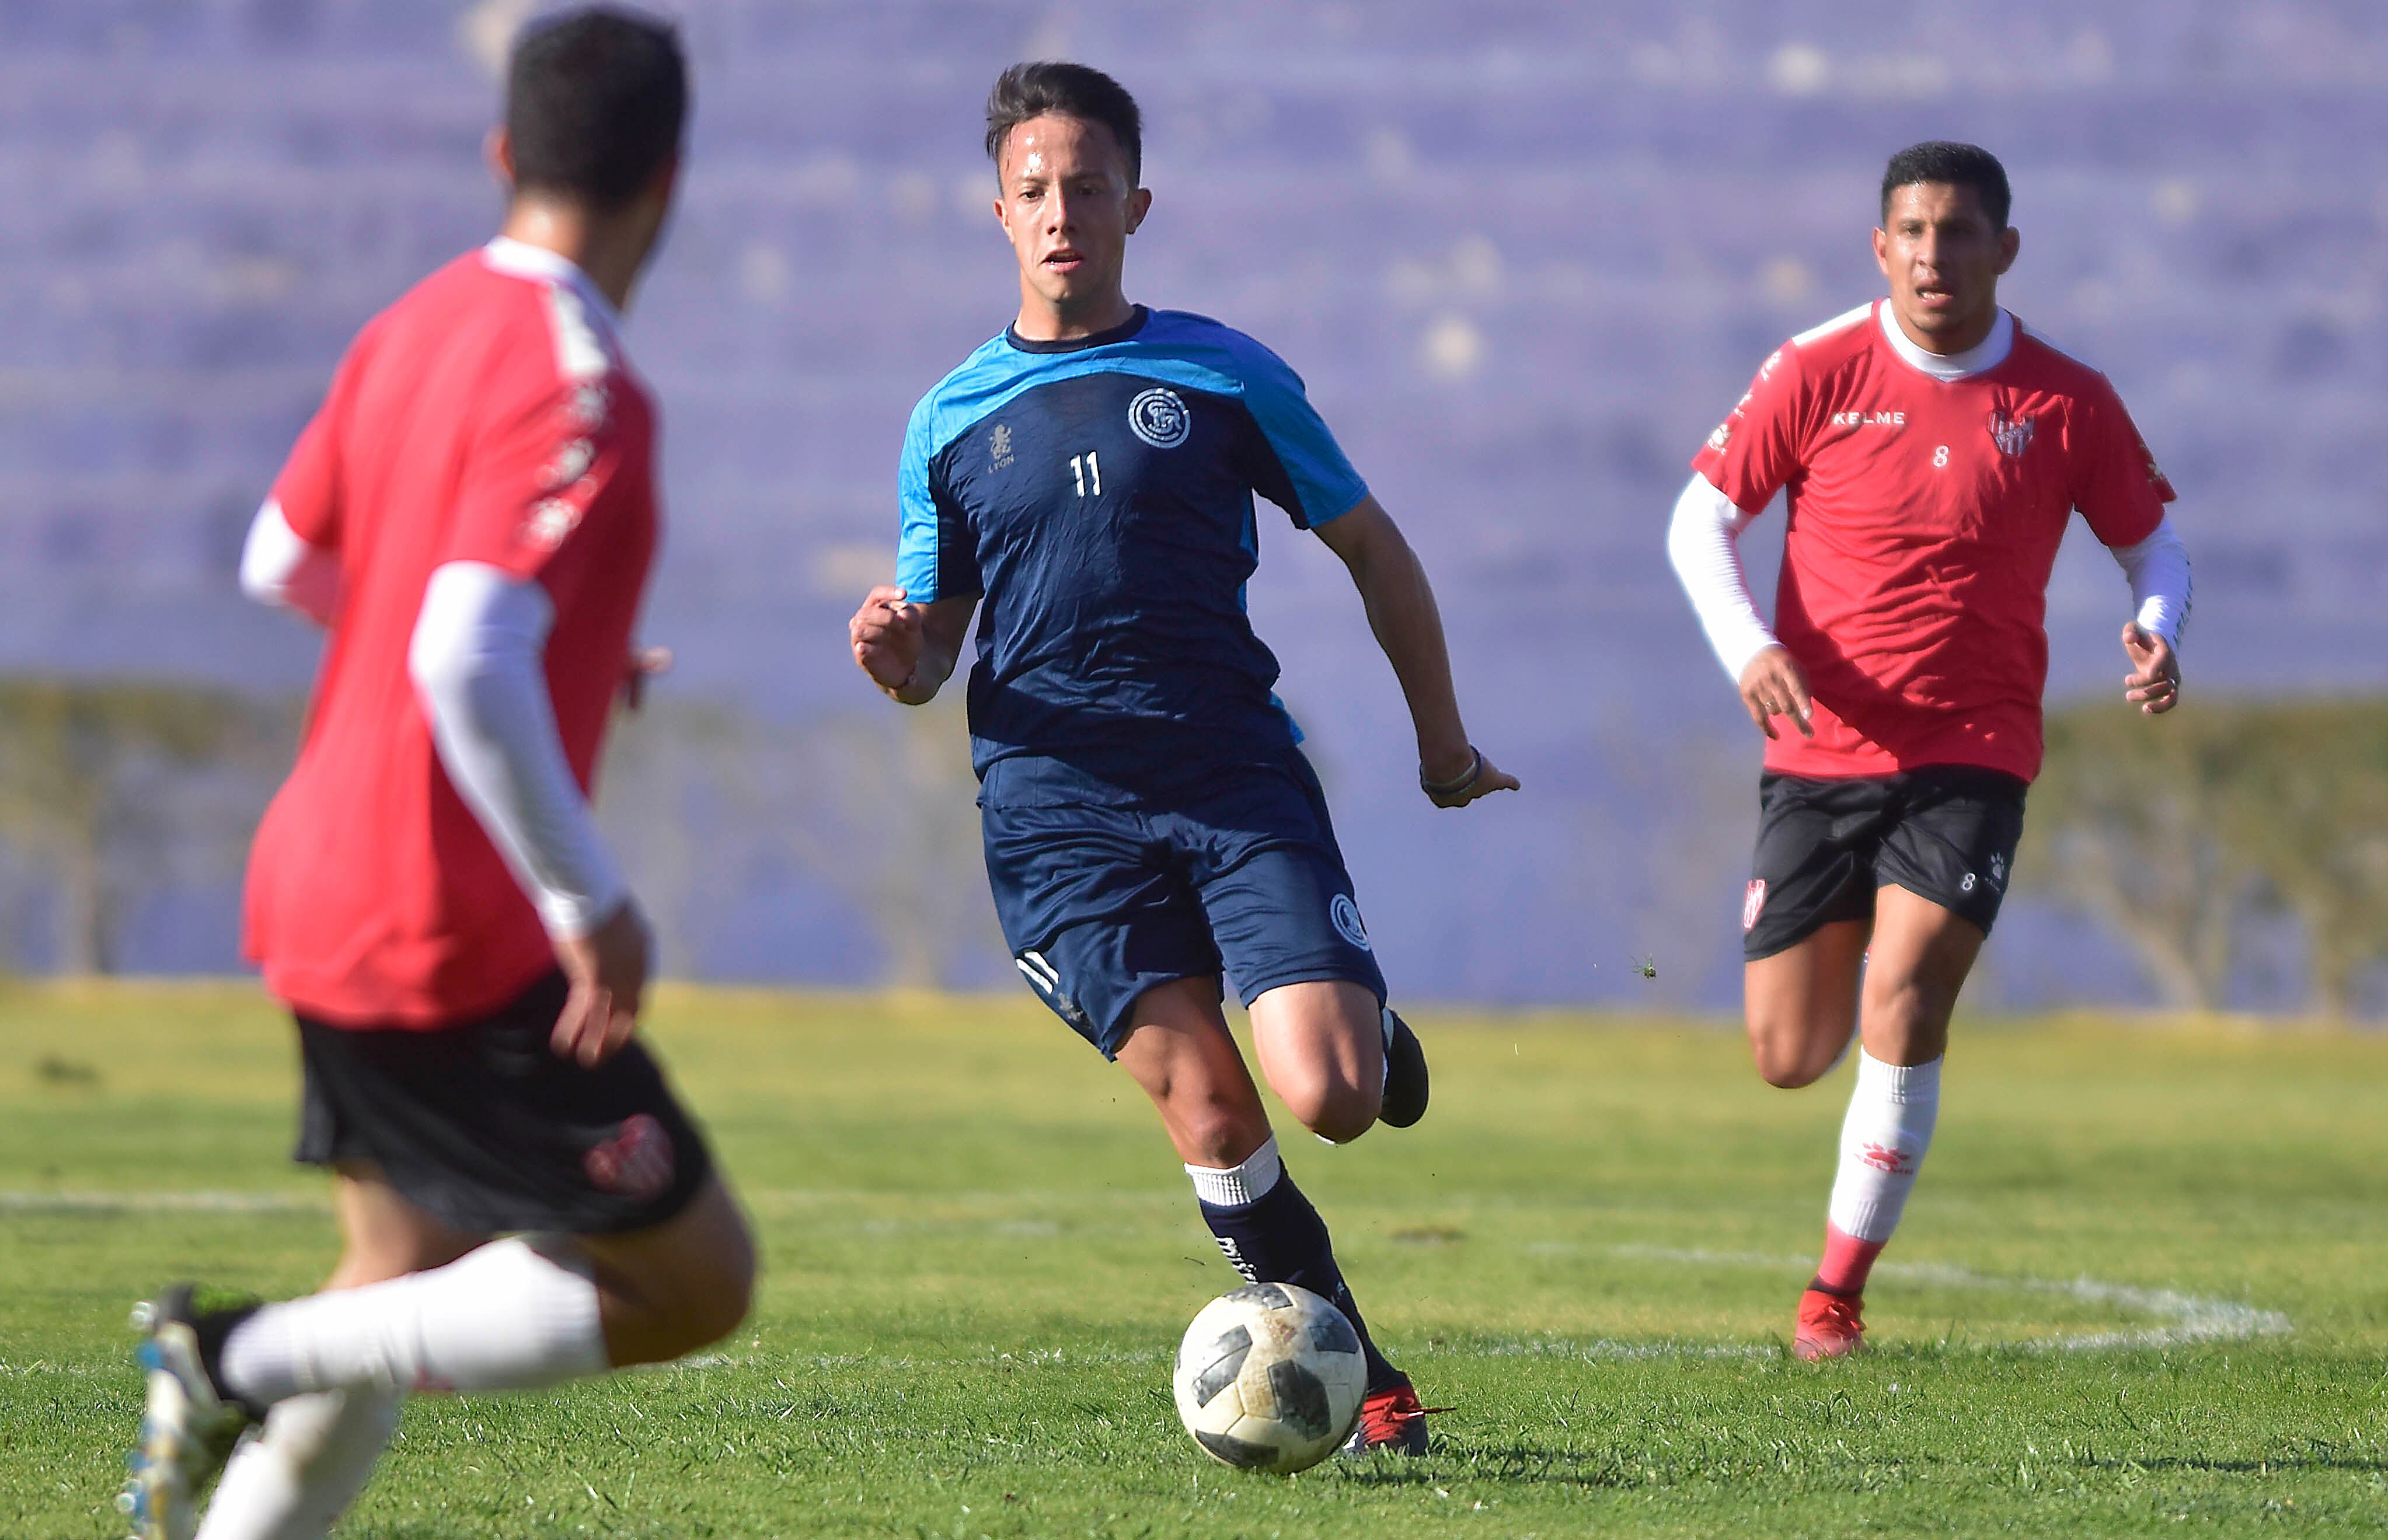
1402,612
909,649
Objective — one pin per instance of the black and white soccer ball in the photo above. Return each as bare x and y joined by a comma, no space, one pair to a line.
1270,1378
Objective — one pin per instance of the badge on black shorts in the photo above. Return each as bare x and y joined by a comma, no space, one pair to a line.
1753,904
636,1163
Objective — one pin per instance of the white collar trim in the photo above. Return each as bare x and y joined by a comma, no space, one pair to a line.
521,259
1980,358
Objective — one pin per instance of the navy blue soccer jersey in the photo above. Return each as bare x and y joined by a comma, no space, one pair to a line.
1098,495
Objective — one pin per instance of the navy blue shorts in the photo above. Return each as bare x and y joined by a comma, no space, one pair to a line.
1100,904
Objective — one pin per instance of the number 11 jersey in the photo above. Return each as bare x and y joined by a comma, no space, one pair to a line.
1096,493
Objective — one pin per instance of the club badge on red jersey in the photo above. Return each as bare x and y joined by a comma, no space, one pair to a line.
2012,434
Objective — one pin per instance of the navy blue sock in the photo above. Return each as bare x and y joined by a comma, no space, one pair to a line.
1278,1238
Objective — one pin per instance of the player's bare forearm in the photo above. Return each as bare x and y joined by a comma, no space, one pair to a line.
1408,627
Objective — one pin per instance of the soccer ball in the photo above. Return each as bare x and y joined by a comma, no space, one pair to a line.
1270,1378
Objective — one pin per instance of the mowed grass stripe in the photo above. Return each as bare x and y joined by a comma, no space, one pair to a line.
980,1252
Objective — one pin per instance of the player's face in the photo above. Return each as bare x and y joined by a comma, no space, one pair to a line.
1943,258
1069,206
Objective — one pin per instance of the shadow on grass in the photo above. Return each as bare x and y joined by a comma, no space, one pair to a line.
2329,1462
1508,1462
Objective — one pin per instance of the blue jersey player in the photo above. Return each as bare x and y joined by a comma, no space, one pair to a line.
1150,825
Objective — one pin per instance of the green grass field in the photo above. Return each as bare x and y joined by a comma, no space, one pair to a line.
2143,1287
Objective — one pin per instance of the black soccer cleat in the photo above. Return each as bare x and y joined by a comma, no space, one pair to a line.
1405,1077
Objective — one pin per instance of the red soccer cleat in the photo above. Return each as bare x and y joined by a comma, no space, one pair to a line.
1391,1419
1829,1327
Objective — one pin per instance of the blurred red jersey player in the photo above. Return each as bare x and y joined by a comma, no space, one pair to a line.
472,517
1932,451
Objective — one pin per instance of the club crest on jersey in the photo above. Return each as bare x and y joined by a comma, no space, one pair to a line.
998,447
1753,904
2012,434
1159,417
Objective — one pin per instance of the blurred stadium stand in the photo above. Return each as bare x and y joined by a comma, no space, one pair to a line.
1526,256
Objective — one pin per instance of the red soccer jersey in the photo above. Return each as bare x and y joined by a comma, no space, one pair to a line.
1926,516
487,416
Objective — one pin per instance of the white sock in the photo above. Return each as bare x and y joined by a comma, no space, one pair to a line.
291,1480
504,1317
1883,1141
1237,1185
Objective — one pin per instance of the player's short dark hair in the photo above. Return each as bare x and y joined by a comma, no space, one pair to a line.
595,100
1957,164
1032,89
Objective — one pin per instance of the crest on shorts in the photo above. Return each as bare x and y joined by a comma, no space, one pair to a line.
1345,914
2012,434
636,1163
1159,417
1753,904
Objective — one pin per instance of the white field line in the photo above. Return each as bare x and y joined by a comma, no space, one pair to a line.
2188,1317
23,1202
38,1200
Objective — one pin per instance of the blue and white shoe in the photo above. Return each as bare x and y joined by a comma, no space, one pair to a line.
1406,1078
189,1426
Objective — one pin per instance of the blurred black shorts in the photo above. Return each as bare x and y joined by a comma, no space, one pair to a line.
1946,833
486,1128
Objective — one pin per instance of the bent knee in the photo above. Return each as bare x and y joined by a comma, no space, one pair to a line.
1788,1075
1223,1133
1788,1059
1338,1110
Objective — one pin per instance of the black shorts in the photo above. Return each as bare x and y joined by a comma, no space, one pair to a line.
486,1128
1946,833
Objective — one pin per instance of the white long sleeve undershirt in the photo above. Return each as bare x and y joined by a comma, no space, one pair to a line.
280,569
477,660
1700,545
2157,569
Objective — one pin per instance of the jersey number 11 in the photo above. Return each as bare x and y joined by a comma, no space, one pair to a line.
1086,468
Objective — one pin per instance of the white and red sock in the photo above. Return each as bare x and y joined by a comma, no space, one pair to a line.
507,1316
293,1479
1884,1137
